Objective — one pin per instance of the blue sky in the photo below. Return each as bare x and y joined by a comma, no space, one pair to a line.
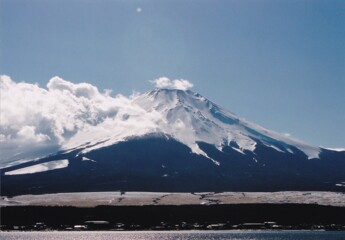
280,64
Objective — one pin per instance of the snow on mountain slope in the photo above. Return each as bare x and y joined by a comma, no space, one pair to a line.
43,167
66,115
174,140
189,118
336,149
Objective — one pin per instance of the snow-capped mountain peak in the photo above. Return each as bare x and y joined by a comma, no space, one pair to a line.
172,137
180,141
189,118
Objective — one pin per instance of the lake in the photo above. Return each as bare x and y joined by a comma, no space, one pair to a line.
169,235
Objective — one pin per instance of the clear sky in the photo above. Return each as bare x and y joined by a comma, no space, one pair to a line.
280,64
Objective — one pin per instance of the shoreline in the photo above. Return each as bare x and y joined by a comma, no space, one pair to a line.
173,217
176,231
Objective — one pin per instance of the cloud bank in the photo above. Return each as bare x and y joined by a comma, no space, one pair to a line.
165,82
36,121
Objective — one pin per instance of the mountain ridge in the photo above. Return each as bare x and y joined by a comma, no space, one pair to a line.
179,141
190,117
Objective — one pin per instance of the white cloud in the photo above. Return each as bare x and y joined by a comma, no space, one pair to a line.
29,133
139,9
79,90
165,82
36,121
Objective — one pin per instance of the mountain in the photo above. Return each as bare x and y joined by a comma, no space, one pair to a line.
179,141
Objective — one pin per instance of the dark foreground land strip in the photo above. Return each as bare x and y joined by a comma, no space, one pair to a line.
293,216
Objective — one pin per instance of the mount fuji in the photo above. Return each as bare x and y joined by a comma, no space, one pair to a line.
179,141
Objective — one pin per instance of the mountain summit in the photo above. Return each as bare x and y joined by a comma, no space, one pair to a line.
179,141
191,118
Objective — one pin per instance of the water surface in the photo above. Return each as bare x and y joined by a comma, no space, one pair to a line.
175,235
